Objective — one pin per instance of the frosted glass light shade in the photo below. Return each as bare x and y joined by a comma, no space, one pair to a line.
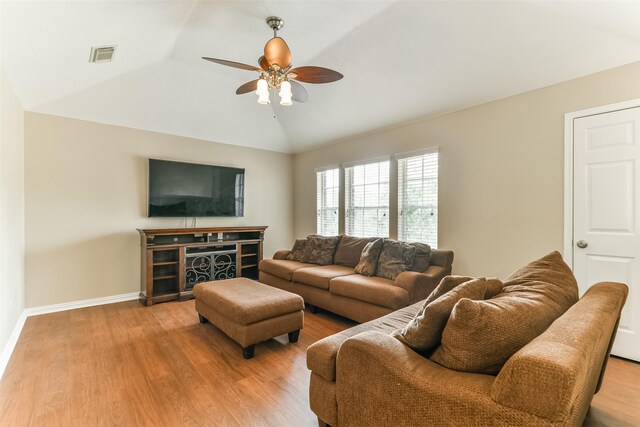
263,87
264,99
285,93
263,92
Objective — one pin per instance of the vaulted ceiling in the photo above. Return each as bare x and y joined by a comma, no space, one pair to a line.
402,60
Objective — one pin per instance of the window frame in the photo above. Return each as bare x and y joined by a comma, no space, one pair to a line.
321,199
351,211
402,197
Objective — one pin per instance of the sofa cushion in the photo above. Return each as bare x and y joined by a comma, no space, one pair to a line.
321,355
374,290
369,258
422,259
320,249
282,268
395,258
349,250
424,331
481,336
320,275
297,252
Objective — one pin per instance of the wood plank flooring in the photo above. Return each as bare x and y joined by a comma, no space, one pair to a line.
127,365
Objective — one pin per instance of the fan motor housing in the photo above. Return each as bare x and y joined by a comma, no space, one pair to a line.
275,22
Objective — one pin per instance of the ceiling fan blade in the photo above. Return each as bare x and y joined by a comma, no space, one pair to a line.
312,74
264,64
298,92
251,86
232,64
276,51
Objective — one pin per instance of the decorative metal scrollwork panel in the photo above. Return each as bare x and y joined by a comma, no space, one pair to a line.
224,266
198,269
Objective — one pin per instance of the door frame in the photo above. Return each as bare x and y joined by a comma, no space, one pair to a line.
568,166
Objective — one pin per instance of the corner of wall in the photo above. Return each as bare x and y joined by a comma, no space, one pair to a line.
12,233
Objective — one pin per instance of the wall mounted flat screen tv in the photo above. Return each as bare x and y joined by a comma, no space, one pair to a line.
194,190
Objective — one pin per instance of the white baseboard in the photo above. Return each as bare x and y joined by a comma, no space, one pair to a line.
11,344
35,311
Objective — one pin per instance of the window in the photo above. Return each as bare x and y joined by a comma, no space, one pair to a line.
418,198
367,200
327,196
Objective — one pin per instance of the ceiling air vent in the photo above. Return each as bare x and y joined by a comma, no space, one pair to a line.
102,53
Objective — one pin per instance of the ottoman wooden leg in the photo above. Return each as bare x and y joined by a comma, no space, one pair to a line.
202,318
293,336
248,352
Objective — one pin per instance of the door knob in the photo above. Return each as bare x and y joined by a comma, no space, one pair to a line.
582,244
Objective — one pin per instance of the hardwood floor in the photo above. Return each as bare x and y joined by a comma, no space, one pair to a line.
618,402
124,364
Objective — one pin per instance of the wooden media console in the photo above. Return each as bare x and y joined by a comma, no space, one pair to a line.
175,260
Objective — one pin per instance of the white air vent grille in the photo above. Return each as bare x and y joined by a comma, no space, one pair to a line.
102,53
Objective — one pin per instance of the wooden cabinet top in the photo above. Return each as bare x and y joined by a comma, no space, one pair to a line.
164,231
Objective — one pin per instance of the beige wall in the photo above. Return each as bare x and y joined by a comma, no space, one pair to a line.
86,195
501,170
11,212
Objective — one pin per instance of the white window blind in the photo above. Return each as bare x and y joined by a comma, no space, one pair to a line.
418,199
327,196
367,200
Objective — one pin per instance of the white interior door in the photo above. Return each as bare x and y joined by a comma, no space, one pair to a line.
606,212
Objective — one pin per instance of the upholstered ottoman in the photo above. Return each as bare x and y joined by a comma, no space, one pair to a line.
249,312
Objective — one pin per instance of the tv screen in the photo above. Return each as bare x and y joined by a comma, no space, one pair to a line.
193,190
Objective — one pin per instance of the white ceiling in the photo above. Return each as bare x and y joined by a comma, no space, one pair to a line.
402,60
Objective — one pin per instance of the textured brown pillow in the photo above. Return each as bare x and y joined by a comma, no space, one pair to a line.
424,331
369,258
481,336
395,258
320,249
445,285
349,250
297,252
423,257
494,287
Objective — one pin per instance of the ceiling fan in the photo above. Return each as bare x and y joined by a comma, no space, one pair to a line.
276,72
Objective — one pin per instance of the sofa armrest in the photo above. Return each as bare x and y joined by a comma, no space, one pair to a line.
565,362
542,379
420,285
441,258
321,356
281,254
380,381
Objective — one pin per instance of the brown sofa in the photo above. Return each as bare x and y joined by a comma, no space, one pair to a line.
363,376
337,288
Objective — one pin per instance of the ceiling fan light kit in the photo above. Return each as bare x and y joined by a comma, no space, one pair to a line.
276,72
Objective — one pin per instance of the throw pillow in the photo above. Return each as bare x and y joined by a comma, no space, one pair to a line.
320,249
369,258
349,250
297,252
424,331
481,336
494,287
423,257
395,258
445,285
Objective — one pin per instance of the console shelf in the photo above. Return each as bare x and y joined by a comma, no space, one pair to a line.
174,260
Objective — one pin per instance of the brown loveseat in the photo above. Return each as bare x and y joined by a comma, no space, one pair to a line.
365,377
337,288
